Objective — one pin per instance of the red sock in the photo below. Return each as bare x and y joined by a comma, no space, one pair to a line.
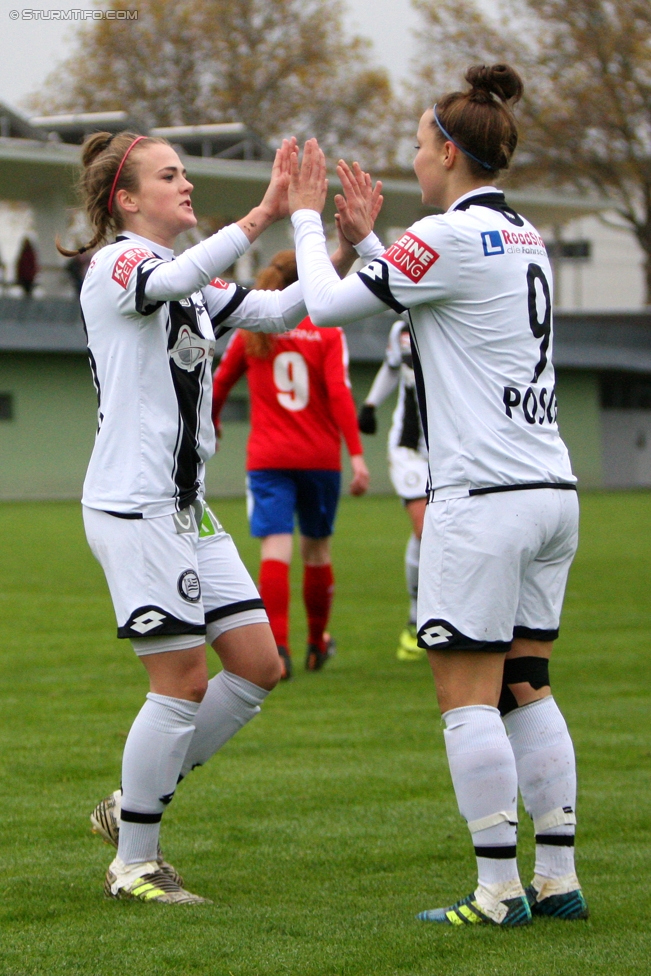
318,591
274,590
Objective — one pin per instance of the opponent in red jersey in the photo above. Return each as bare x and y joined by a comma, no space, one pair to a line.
301,406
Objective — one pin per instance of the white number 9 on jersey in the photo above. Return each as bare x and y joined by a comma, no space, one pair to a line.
292,380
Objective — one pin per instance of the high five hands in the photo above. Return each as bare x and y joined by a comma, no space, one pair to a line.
357,208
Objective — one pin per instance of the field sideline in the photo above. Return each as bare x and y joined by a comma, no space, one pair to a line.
330,820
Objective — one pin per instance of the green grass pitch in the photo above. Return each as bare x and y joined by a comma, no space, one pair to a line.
324,826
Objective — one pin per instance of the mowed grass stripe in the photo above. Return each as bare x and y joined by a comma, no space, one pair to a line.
329,821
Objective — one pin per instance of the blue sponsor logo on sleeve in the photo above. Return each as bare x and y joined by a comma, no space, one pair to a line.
492,241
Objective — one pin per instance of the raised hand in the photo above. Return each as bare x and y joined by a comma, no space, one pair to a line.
275,200
360,204
308,185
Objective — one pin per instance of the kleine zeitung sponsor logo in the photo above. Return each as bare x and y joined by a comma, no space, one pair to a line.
411,256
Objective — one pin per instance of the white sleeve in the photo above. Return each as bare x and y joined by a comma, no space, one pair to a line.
192,270
270,311
329,300
385,382
370,248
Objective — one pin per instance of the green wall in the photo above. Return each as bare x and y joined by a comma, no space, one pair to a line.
45,448
580,423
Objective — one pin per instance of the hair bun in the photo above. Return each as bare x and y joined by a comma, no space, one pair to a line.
500,79
93,146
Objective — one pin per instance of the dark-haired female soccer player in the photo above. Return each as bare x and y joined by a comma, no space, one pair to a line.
501,524
175,577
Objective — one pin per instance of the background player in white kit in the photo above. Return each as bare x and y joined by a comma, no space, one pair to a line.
408,467
502,520
175,577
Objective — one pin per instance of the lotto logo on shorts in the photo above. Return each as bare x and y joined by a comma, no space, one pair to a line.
433,635
411,256
127,262
189,586
219,283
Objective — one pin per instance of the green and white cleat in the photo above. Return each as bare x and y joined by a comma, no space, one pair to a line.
146,882
105,821
484,907
557,898
408,649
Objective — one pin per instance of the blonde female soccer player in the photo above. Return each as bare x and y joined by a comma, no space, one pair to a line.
175,577
501,525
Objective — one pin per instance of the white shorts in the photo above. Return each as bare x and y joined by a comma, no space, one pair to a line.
494,567
173,583
408,471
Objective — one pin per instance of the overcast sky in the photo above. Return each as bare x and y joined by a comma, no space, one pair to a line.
30,49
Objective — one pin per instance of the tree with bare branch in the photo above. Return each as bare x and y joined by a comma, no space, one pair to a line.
586,115
280,66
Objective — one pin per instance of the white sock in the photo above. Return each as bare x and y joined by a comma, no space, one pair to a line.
485,781
547,777
153,755
229,703
412,559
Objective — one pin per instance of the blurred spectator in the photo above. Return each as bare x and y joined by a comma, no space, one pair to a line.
27,267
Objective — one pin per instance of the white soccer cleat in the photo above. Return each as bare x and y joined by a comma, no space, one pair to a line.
146,882
105,821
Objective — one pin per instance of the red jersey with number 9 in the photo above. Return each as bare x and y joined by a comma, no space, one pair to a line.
301,402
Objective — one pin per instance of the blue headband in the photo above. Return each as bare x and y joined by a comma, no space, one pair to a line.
460,148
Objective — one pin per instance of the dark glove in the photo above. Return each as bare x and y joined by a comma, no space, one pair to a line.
366,419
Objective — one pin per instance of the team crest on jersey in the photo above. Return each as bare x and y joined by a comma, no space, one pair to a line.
411,256
190,350
219,283
128,260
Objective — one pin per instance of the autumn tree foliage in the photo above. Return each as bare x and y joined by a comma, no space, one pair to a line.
586,115
280,66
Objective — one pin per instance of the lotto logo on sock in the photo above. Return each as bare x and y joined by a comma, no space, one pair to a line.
411,256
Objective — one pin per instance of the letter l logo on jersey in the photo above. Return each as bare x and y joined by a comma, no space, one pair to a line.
492,241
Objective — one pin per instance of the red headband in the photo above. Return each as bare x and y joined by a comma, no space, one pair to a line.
117,175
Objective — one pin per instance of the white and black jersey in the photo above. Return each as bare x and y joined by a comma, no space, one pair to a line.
478,286
151,361
477,283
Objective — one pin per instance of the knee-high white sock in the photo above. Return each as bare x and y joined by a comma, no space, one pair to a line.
153,755
229,703
485,781
412,558
547,778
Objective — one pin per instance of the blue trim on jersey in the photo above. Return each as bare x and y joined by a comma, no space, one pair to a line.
278,493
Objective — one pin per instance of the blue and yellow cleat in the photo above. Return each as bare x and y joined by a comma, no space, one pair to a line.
408,649
570,905
509,912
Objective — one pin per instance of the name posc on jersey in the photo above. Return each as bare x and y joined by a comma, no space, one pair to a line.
536,405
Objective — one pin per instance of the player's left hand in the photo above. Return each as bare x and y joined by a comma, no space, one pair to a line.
361,477
308,185
361,203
